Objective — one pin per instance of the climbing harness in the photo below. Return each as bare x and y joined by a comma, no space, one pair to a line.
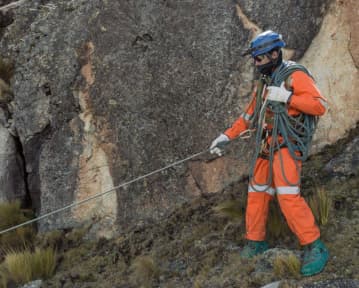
244,135
292,132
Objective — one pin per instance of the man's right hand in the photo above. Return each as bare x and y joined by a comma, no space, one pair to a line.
218,144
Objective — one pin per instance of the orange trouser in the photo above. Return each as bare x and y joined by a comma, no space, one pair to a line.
285,182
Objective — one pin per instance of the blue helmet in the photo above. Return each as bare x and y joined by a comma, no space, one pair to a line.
264,43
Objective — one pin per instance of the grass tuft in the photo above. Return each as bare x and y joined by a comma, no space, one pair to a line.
321,204
276,225
287,266
144,271
25,266
231,209
11,214
3,277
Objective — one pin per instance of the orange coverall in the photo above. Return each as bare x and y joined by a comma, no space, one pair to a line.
306,98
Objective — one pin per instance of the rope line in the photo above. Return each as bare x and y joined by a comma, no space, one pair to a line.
77,203
244,135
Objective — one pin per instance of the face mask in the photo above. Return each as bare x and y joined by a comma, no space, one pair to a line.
266,69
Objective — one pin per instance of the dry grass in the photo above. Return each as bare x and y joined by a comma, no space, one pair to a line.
53,239
321,204
25,266
231,209
276,225
144,271
44,263
3,277
11,214
286,266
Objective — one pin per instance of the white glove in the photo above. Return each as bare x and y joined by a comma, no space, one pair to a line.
279,94
218,143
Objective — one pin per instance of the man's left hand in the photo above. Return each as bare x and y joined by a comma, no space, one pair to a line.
279,94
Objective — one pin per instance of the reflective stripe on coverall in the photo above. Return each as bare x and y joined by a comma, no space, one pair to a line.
306,98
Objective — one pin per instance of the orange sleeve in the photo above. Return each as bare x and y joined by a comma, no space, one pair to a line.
306,96
242,123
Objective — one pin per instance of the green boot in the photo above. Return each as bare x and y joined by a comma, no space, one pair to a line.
315,258
253,248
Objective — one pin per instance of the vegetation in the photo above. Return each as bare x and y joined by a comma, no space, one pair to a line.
286,266
11,214
321,204
145,271
21,262
231,209
24,266
276,225
188,248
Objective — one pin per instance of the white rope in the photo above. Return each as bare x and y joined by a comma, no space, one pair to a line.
102,193
12,5
245,134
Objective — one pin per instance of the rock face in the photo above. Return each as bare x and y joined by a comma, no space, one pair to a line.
337,76
106,91
5,16
12,178
347,163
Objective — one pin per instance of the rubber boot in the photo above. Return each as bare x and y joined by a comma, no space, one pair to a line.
315,258
253,248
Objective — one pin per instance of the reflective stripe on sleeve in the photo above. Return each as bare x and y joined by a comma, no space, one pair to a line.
324,103
246,116
288,190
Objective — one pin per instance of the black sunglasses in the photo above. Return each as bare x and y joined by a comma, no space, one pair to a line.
259,58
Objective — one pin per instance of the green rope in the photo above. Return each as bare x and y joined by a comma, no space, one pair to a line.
296,132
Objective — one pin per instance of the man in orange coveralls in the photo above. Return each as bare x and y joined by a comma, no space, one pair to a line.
285,104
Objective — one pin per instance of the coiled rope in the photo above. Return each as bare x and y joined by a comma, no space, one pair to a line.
294,133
